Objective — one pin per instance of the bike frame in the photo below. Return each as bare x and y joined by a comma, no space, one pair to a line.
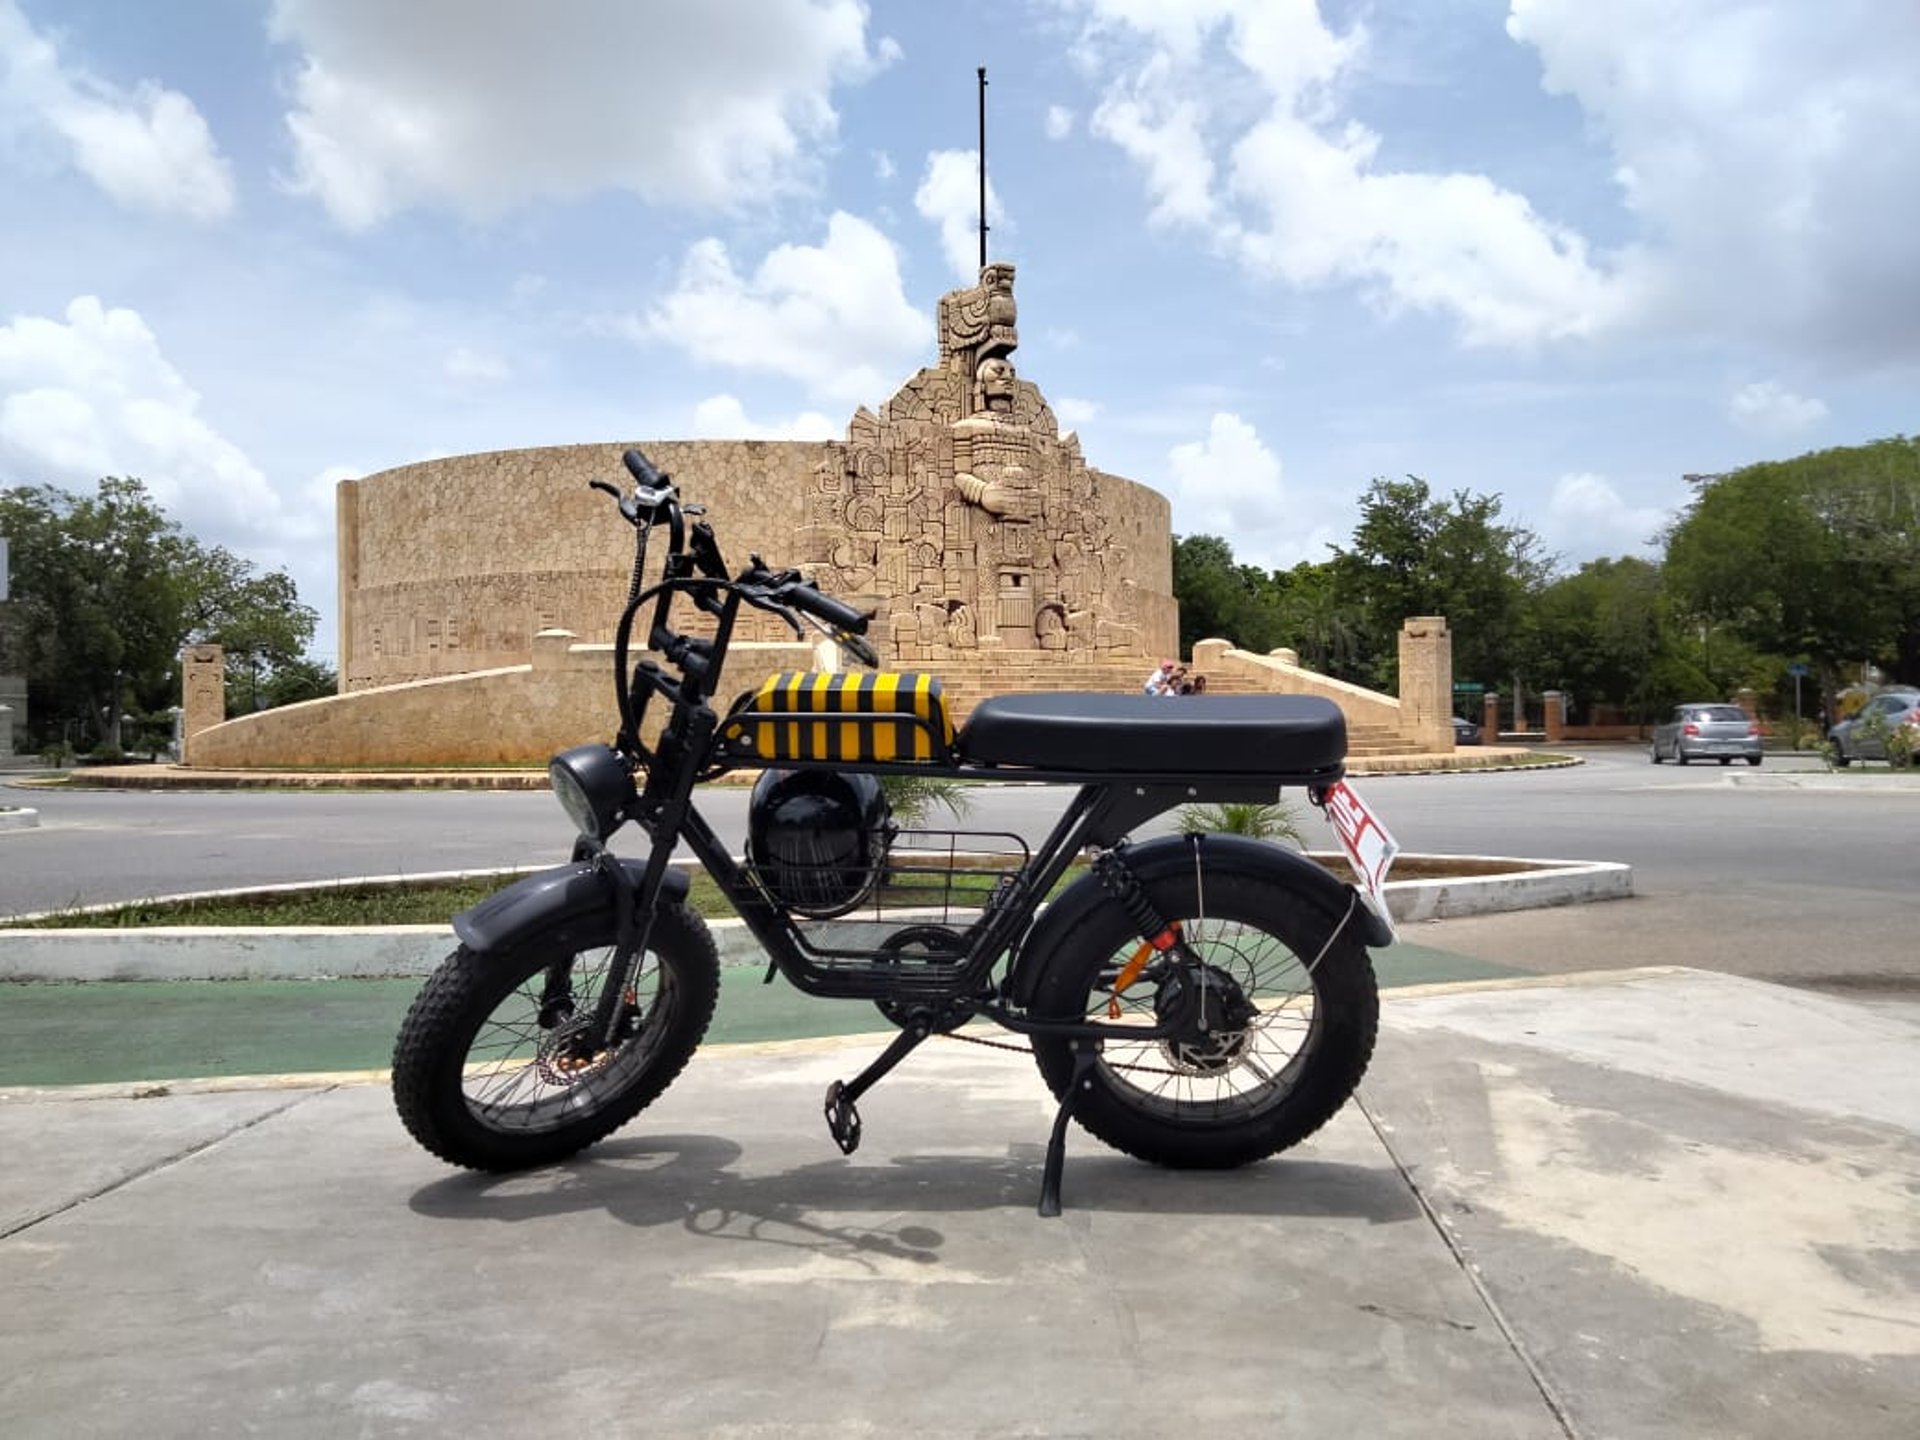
1103,812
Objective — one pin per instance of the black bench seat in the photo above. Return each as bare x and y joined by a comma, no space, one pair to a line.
1277,735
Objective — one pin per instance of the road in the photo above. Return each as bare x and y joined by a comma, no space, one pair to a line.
1733,871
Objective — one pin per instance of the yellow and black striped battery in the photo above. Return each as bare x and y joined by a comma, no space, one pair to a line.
854,717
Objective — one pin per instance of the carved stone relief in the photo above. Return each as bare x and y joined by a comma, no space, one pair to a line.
964,511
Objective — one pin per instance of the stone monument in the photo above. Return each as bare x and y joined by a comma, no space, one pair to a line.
964,514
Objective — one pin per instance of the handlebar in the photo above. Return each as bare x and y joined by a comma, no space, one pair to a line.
644,475
805,596
698,571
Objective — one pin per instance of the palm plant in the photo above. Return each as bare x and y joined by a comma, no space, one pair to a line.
1271,820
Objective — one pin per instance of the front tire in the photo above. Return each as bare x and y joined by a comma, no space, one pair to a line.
491,1070
1288,1054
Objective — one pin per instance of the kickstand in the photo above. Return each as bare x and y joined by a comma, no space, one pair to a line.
1085,1052
843,1120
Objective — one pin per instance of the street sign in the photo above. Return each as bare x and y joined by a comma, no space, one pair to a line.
1469,687
1798,671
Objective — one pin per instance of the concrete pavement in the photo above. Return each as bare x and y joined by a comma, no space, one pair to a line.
1659,1203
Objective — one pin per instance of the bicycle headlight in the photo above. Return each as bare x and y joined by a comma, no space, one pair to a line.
593,786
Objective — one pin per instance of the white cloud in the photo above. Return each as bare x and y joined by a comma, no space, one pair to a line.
92,395
1587,519
1071,411
483,105
882,165
723,417
1162,134
949,196
1059,122
149,147
1763,147
1231,484
1228,484
476,367
1293,190
1770,409
1763,194
833,316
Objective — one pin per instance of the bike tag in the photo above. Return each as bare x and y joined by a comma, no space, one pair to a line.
1368,846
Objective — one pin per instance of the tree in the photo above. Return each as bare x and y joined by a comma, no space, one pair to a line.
1218,599
1606,633
1315,623
1415,555
109,590
1815,557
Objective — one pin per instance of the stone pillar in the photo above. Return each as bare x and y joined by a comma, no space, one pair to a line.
1490,717
204,681
1426,682
1747,701
1556,704
13,708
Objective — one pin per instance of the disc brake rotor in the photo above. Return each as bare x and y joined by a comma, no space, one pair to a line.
1213,1016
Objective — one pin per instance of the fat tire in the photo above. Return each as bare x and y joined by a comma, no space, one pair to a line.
431,1054
1319,1079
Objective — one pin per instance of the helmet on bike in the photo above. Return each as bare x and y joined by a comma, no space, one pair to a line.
818,839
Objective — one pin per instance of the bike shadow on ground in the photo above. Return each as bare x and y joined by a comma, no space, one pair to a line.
690,1181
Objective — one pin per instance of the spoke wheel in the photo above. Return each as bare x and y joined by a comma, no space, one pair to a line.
1266,1051
499,1065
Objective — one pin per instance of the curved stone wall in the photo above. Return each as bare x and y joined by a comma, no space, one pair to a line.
454,565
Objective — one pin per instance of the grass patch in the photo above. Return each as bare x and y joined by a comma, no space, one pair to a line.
434,902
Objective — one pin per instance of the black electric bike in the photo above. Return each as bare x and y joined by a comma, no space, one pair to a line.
1196,1001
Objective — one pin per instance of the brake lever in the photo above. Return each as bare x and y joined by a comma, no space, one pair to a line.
857,646
773,607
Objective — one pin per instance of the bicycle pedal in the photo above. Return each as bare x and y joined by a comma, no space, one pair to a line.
843,1119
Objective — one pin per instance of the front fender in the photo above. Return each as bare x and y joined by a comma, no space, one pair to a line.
1172,855
575,900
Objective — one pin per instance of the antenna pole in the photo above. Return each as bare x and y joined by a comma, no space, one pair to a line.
983,167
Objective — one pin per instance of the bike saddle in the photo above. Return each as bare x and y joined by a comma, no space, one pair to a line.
1293,735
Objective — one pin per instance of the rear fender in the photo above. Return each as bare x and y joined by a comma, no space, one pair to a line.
575,901
1173,855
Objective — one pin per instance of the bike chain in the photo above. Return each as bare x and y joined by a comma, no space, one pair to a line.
1028,1050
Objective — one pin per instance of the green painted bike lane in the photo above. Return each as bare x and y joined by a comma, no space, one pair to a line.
127,1031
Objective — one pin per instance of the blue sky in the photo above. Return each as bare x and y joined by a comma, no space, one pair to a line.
1557,250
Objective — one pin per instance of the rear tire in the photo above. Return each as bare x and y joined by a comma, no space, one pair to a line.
1753,759
1653,753
1268,1077
488,1073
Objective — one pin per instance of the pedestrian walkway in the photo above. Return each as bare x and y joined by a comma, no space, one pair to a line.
1646,1204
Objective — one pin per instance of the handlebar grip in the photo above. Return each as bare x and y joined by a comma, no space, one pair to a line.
836,613
642,470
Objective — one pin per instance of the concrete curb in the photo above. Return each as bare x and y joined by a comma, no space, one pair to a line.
19,819
258,952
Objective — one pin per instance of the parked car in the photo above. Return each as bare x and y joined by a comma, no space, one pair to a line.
1865,737
1465,732
1704,731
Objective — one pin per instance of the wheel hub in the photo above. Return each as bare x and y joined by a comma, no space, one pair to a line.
1211,1016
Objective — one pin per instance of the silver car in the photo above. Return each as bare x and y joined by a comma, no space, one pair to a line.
1705,731
1865,736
